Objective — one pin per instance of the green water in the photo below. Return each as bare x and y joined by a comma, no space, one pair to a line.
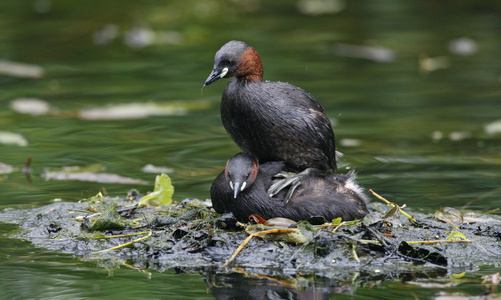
420,133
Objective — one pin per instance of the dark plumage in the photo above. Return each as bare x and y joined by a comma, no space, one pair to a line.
275,121
242,190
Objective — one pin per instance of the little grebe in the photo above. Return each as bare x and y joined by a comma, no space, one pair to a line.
275,121
242,189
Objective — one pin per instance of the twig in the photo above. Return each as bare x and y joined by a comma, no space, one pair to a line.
376,235
119,235
246,241
339,225
437,242
129,243
392,205
354,250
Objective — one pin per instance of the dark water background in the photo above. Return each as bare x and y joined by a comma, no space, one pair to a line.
413,121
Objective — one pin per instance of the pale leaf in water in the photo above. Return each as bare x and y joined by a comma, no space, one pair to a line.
377,54
17,69
350,142
139,37
149,168
30,106
93,177
162,194
459,135
141,110
463,46
493,128
12,138
430,64
5,168
89,173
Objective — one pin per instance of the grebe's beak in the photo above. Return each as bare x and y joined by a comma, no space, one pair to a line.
215,75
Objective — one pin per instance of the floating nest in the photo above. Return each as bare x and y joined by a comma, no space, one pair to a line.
191,236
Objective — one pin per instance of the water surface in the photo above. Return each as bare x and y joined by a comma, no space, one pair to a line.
413,125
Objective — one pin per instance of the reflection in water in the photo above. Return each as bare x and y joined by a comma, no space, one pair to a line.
243,285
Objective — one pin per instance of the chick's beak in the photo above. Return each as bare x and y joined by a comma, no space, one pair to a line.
237,186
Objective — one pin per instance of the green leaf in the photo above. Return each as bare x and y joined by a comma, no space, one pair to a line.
457,276
161,195
337,221
456,234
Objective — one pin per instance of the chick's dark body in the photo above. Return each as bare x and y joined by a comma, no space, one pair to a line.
277,121
330,196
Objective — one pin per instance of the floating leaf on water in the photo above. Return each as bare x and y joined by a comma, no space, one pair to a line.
430,64
78,169
437,135
350,142
463,46
149,168
22,70
30,106
93,177
162,194
459,135
142,110
139,37
89,173
12,138
493,127
377,54
5,168
436,285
